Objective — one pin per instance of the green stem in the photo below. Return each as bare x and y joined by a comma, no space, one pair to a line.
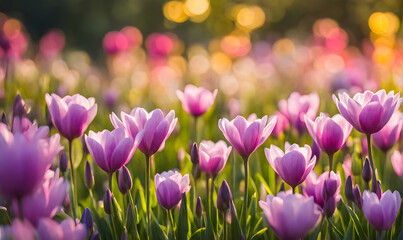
73,182
293,190
245,198
148,173
233,170
371,160
92,199
195,128
110,175
171,220
330,163
224,227
208,198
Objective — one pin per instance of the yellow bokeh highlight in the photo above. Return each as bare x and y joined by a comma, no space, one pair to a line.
383,23
383,55
250,17
175,11
12,27
196,7
284,47
220,62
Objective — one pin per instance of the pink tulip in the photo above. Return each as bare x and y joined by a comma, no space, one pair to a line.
18,230
47,200
66,230
381,213
368,112
196,100
213,156
246,136
156,128
297,106
71,115
397,163
25,157
314,186
293,165
291,216
329,133
170,187
390,133
111,150
281,125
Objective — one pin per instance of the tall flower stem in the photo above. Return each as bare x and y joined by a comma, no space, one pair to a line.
208,197
371,160
224,227
195,129
92,199
110,175
171,220
73,181
245,198
330,163
148,173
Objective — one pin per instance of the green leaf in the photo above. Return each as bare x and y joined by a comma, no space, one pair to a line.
156,232
357,225
334,228
252,214
4,218
197,235
315,234
258,234
117,218
102,226
266,186
131,219
349,233
235,227
183,222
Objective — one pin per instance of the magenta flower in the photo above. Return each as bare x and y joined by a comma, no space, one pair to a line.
47,200
111,150
246,136
25,157
170,187
156,127
196,100
397,163
213,156
291,216
66,230
18,230
71,115
390,133
329,133
368,112
293,165
314,186
381,213
297,106
281,125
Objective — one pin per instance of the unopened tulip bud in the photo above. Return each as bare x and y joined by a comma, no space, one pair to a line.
108,202
194,154
331,186
366,171
63,162
124,180
18,106
88,176
86,219
357,197
348,189
324,192
224,197
330,206
378,189
316,151
199,207
4,118
282,187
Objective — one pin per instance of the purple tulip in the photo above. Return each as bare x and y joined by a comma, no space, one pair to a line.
71,115
25,157
47,200
125,182
368,112
293,165
246,136
390,133
381,213
329,133
296,106
366,173
316,151
170,187
199,207
291,216
397,163
196,100
357,196
108,198
224,197
66,230
281,125
88,176
314,186
155,127
213,156
111,150
18,230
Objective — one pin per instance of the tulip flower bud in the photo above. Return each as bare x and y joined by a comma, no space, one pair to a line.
194,154
224,197
316,151
4,118
378,189
366,171
18,106
331,186
348,189
84,144
63,162
88,176
357,197
108,202
199,207
86,219
282,187
330,206
324,192
124,180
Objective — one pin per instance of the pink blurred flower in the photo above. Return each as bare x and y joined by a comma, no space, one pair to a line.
281,125
111,150
329,133
159,45
291,216
71,115
397,163
314,186
368,112
170,187
381,213
115,42
18,230
347,166
293,165
66,230
246,136
196,100
386,138
52,43
297,106
213,156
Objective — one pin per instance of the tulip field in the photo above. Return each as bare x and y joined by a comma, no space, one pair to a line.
236,137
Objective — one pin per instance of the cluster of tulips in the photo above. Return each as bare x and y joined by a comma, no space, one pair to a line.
43,203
